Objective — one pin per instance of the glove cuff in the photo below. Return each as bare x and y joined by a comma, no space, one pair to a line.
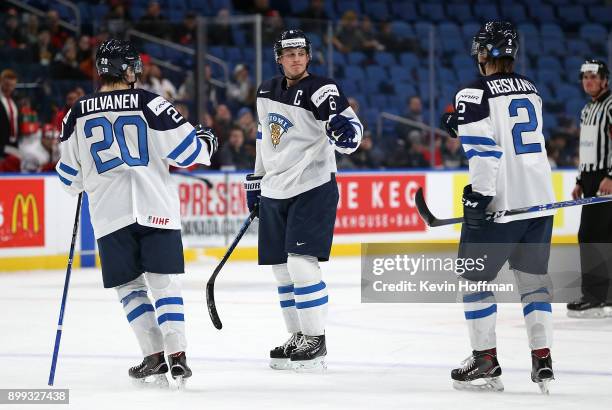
253,182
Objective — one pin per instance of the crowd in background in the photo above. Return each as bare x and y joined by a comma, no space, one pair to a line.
30,126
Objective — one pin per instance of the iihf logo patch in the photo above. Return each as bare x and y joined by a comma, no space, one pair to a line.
278,126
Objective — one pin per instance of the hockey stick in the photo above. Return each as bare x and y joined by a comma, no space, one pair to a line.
60,322
210,285
206,181
432,221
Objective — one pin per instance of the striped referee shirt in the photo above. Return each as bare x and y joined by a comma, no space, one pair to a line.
596,134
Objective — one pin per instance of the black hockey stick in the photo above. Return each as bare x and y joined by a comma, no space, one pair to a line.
206,181
60,322
432,221
210,285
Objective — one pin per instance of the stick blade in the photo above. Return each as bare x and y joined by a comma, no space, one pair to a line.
210,304
422,208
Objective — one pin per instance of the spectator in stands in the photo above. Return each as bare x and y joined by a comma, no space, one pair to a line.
392,42
348,35
366,156
85,56
9,122
223,123
315,18
43,52
369,38
31,30
453,155
407,154
159,85
152,22
71,98
414,112
233,155
241,91
355,106
66,66
40,151
273,25
246,121
187,90
12,33
117,19
261,7
186,33
57,32
220,31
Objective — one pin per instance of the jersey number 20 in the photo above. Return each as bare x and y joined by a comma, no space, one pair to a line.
521,127
115,131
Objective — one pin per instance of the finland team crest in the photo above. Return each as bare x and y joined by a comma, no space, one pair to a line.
278,126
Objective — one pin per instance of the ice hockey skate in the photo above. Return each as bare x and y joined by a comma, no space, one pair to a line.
280,355
479,372
583,309
310,354
178,369
541,369
151,372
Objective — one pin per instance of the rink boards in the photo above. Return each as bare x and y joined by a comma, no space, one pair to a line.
37,216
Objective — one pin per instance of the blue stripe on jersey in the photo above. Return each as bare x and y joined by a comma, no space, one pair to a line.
140,310
133,295
67,169
541,290
473,153
479,314
259,135
287,303
311,303
168,301
543,306
285,289
310,289
182,146
468,139
189,160
64,180
475,297
171,317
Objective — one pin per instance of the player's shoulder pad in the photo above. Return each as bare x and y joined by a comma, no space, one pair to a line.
321,88
69,120
472,102
160,114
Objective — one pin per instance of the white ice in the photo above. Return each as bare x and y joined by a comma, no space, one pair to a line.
380,356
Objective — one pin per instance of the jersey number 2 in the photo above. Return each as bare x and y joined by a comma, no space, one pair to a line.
521,127
115,131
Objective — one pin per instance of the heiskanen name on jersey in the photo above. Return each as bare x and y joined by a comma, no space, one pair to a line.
500,126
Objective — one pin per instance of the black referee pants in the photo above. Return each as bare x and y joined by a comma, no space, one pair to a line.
595,239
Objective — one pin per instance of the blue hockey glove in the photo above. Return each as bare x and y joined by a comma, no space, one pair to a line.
474,208
253,192
450,122
208,137
341,132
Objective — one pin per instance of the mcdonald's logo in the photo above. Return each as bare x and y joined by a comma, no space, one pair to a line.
24,204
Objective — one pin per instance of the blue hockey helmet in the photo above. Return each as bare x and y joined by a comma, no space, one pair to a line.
113,58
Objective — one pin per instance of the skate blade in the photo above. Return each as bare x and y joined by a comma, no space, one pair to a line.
493,384
181,383
596,313
544,386
317,365
157,381
281,364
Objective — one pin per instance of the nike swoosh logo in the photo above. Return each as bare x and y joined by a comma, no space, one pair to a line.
263,92
300,244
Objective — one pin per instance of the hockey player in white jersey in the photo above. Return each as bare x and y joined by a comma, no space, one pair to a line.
499,122
117,145
303,119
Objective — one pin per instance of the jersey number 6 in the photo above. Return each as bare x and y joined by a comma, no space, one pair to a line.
112,131
521,127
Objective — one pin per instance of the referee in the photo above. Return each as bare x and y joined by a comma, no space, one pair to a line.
595,178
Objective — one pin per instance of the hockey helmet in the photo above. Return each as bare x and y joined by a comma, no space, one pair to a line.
113,58
499,38
596,67
291,39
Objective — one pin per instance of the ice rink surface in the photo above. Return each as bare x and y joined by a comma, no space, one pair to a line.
380,356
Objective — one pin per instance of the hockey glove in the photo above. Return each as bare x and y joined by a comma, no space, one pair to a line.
253,192
341,132
474,208
449,122
208,137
